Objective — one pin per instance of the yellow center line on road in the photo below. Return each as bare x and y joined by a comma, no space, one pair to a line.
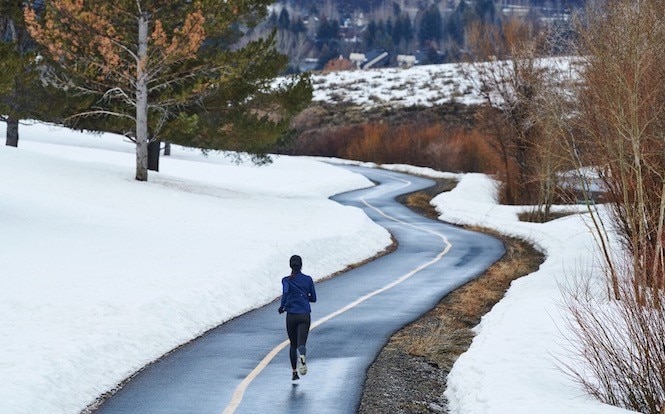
239,392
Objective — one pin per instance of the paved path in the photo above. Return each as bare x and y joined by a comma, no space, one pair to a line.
242,366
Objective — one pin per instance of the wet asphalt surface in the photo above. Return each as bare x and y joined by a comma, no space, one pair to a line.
354,317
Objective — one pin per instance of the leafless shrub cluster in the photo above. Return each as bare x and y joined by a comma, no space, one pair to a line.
620,339
619,345
424,144
507,69
622,109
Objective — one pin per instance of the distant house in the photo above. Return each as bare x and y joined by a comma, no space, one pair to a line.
308,64
373,58
358,59
376,58
406,61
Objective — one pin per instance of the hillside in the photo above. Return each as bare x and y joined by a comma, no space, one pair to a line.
314,34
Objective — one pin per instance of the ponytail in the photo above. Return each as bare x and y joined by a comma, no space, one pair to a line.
295,262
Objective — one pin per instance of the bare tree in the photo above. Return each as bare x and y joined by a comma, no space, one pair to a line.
618,345
518,88
619,339
622,109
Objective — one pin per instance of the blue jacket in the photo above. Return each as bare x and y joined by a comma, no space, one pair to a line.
297,292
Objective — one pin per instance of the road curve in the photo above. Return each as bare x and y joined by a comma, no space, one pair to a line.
242,366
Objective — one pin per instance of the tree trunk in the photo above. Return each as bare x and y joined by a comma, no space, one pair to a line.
142,102
153,155
167,149
12,132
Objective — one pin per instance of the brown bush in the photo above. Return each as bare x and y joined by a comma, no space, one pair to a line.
622,111
335,65
618,346
369,146
467,151
424,145
329,141
619,339
416,140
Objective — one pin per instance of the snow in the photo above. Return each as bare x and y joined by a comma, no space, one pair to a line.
424,85
511,366
103,274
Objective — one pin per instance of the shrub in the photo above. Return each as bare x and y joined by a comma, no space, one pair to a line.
368,146
619,345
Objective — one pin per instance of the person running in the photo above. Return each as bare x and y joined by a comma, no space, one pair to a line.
297,292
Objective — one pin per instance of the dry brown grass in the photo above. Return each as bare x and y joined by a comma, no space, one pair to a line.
420,202
428,143
450,335
409,375
445,332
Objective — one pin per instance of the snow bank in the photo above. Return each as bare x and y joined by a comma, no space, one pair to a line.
511,366
102,274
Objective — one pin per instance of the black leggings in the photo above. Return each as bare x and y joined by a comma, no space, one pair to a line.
297,326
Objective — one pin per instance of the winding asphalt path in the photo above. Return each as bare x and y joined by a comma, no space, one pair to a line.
242,366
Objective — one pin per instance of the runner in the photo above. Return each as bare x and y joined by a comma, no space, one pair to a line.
297,292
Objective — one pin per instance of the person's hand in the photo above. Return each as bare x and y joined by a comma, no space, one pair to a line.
280,310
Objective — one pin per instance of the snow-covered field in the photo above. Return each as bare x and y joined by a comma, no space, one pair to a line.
102,274
425,85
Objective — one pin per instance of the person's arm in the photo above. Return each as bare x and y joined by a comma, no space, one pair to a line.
312,291
285,291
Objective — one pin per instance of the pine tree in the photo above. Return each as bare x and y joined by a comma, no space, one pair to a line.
284,20
150,61
249,113
431,25
485,10
21,93
8,66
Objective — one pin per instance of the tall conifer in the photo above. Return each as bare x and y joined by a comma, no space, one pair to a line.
150,62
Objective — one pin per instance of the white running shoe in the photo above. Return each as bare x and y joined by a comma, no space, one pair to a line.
302,366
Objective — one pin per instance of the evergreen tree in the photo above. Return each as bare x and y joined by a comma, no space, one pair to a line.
402,33
384,39
150,62
370,34
397,32
397,10
388,30
299,26
407,28
485,10
284,20
327,41
328,31
458,22
431,25
255,127
9,66
22,94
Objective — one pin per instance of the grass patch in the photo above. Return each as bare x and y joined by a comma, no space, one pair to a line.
449,332
538,217
445,332
409,375
420,201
